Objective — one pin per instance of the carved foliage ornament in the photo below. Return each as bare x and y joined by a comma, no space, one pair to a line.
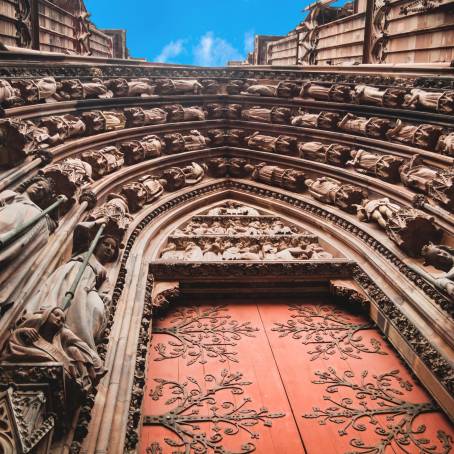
374,398
200,416
199,334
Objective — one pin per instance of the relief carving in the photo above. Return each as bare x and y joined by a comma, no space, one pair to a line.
178,177
177,113
98,121
135,87
385,167
422,136
178,87
103,161
230,167
281,90
372,127
322,120
63,127
178,143
390,97
333,92
224,111
331,154
148,147
262,114
441,102
9,96
142,192
136,116
36,90
281,144
445,144
442,258
290,179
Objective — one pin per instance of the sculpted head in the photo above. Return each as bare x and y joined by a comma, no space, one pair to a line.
107,249
56,318
438,257
41,192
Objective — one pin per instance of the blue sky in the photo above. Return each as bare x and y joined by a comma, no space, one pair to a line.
199,32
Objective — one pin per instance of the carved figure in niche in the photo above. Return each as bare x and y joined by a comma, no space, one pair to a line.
178,87
76,89
439,184
371,127
281,144
282,90
142,192
9,96
32,91
82,33
16,209
332,154
235,137
445,144
136,116
442,258
442,102
86,317
178,143
135,87
410,229
176,113
335,92
217,111
322,120
231,208
103,161
148,147
384,166
329,190
21,138
390,97
422,136
69,176
99,121
210,86
235,86
217,137
176,178
262,114
290,179
63,126
45,337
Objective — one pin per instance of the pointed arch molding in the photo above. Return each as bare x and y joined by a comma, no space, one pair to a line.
395,304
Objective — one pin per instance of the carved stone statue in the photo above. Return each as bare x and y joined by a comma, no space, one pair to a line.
334,92
135,87
421,136
32,91
86,317
142,192
72,89
148,147
136,116
233,167
235,137
210,86
63,126
390,97
438,184
281,90
217,137
281,144
9,96
235,86
409,228
442,102
22,138
332,154
69,176
176,113
178,87
293,180
371,127
442,258
99,121
331,191
445,144
262,114
44,337
224,111
178,143
16,209
384,166
104,161
177,177
322,120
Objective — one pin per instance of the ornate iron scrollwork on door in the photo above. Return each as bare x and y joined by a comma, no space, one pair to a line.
202,333
191,398
372,399
329,330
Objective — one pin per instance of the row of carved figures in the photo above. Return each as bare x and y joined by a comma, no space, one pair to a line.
21,138
17,92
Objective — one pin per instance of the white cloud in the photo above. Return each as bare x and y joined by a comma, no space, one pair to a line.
170,50
248,42
214,51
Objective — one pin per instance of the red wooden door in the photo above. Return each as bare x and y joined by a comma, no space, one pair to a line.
305,377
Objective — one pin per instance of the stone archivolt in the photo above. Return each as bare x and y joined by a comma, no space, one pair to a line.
229,134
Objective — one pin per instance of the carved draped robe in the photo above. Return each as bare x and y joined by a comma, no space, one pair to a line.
15,210
86,316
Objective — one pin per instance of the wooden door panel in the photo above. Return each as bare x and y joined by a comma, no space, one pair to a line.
226,350
339,372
